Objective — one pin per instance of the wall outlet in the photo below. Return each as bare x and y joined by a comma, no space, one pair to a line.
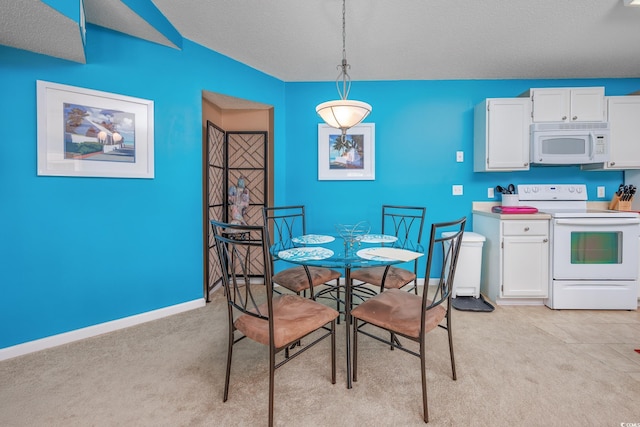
456,190
490,193
459,156
601,192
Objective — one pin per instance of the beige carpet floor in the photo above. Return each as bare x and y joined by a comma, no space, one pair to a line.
517,366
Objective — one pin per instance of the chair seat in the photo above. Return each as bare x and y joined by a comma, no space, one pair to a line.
398,311
295,278
396,277
293,318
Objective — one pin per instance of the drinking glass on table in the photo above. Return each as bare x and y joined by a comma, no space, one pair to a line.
352,234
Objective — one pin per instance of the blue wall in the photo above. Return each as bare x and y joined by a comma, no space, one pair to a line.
419,127
76,252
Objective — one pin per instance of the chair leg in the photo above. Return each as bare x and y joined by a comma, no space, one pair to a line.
272,369
453,361
338,298
423,371
333,351
355,349
228,374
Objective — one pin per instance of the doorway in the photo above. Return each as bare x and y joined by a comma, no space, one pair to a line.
237,145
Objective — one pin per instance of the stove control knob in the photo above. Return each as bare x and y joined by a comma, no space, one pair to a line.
571,189
578,190
534,189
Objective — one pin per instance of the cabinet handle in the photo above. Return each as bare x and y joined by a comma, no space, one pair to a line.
612,163
545,240
575,118
564,117
526,229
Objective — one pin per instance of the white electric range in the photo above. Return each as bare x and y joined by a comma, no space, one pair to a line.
593,253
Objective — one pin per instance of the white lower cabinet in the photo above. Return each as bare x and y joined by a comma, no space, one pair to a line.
516,259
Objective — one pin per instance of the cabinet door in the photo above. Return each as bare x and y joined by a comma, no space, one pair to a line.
624,121
587,104
550,105
565,105
525,268
502,136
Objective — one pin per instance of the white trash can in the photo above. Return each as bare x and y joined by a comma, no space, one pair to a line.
469,268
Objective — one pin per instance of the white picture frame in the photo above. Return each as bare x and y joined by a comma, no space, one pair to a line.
352,160
89,133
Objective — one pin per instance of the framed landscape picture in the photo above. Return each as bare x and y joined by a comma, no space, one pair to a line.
84,132
350,159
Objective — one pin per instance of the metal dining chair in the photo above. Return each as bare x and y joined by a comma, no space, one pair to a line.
412,316
254,312
284,224
406,224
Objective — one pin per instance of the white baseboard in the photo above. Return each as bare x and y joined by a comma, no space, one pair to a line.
102,328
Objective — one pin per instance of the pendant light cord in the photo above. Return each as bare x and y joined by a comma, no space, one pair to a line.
344,75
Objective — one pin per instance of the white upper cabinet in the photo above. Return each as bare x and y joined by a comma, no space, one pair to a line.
623,114
501,135
566,105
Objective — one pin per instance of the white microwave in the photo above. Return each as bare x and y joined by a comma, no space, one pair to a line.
569,143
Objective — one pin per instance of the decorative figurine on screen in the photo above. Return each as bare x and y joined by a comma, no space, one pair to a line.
239,202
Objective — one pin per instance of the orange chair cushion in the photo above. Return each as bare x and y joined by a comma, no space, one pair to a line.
295,279
398,311
396,277
293,318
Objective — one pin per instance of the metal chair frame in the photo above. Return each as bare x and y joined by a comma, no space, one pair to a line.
288,222
450,247
401,222
234,244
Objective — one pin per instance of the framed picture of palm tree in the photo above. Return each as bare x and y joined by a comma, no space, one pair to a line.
346,157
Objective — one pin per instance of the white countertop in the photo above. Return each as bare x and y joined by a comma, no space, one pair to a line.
484,208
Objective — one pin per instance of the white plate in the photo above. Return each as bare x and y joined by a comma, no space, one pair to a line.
378,238
367,254
305,254
313,239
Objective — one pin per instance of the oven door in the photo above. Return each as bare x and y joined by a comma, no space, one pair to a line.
595,248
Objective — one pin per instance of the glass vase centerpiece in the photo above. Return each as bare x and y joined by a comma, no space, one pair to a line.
352,235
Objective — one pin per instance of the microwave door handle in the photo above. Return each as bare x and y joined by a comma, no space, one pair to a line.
592,137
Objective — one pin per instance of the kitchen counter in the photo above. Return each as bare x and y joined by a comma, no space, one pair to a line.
484,208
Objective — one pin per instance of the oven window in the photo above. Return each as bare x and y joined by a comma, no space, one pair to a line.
593,247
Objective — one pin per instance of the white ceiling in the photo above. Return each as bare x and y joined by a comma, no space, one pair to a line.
301,40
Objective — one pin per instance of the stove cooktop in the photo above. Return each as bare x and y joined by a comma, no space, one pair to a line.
588,213
564,201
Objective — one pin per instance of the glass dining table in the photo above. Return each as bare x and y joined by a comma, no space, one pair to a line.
335,252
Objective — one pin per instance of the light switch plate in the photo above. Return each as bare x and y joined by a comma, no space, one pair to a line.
459,156
490,193
600,192
456,190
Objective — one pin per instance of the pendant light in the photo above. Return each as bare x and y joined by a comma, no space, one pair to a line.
343,113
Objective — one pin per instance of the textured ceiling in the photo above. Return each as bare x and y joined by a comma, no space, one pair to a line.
301,40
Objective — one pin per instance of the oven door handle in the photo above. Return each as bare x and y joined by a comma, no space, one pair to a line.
597,223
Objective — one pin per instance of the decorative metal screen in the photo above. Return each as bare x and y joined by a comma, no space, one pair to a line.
247,157
232,155
216,173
